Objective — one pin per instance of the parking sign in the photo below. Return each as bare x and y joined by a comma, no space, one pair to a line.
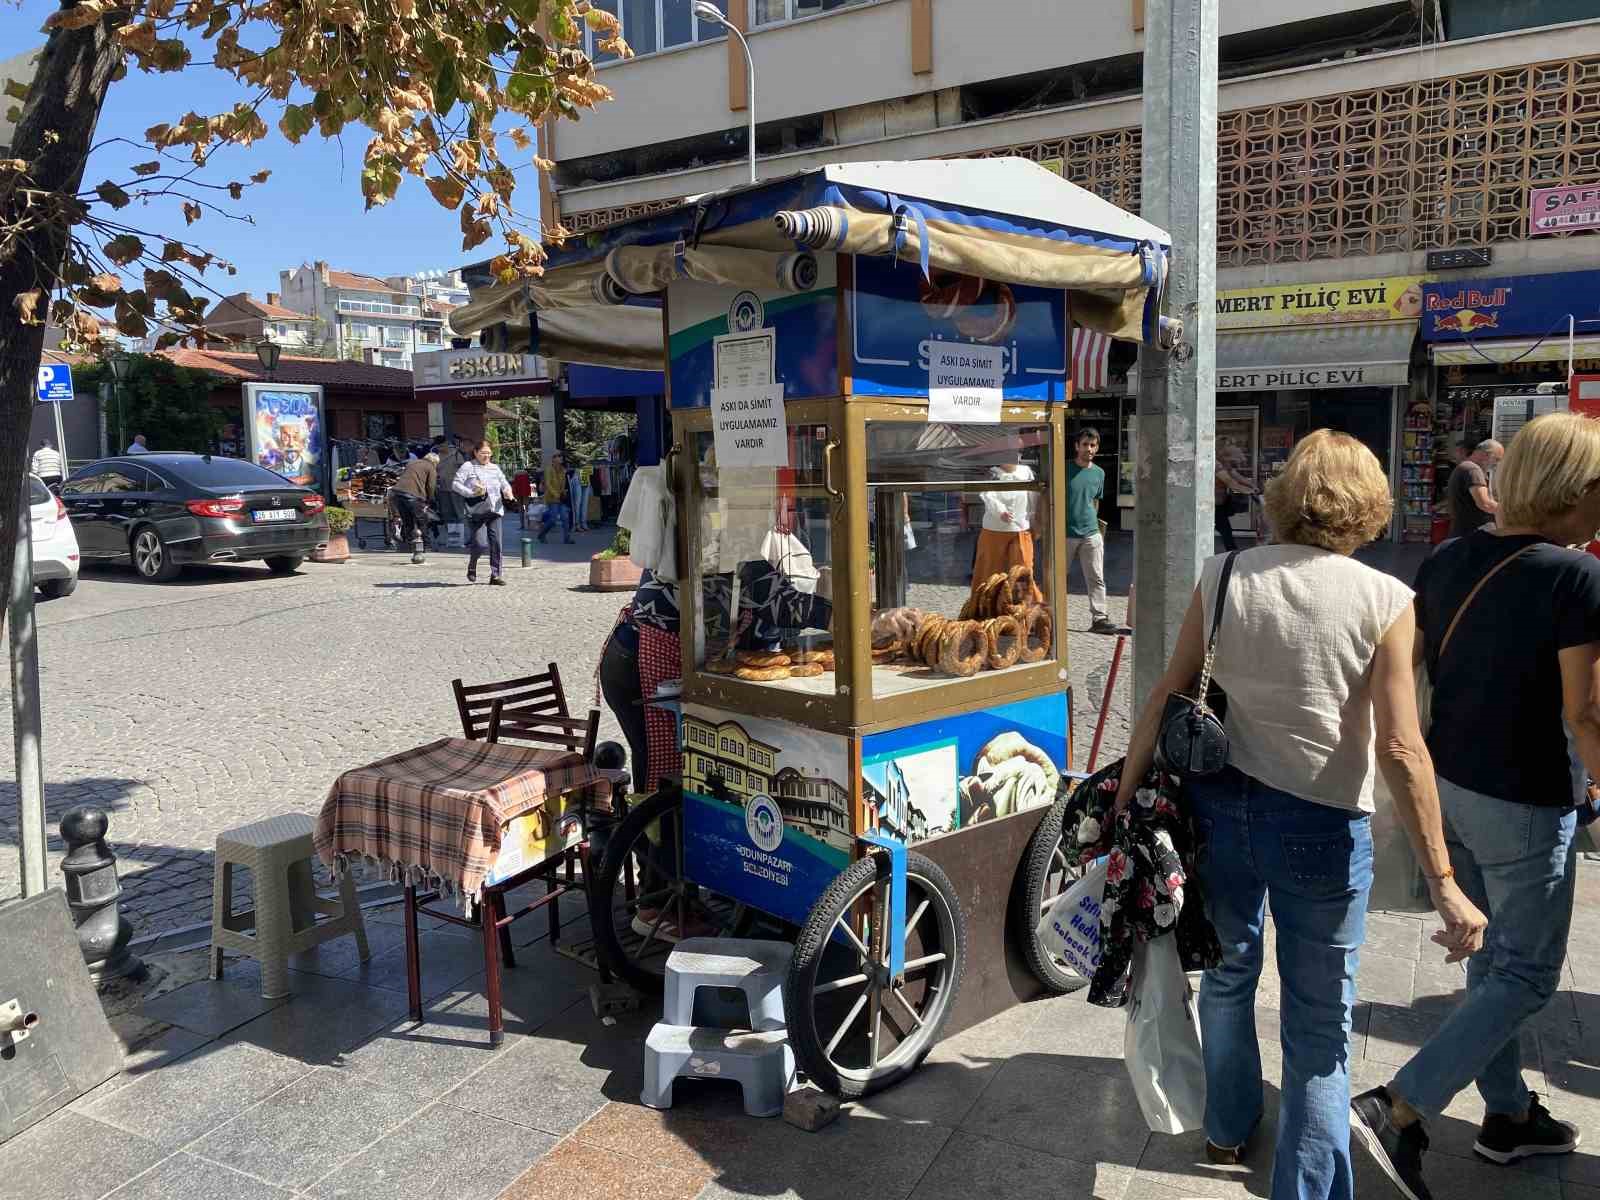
55,383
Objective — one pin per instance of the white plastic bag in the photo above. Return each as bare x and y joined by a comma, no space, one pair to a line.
1162,1043
1070,931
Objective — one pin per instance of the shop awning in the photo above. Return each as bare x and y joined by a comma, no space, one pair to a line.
1495,351
1091,360
1324,356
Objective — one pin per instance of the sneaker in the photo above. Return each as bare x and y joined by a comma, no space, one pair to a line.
1502,1140
472,577
1398,1151
1231,1156
496,581
1105,626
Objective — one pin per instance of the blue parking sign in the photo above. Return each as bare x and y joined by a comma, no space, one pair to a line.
55,383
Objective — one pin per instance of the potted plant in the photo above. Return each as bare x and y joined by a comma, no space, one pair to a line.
612,570
338,548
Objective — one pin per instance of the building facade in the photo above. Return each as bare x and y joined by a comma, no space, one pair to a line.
1366,152
244,318
376,321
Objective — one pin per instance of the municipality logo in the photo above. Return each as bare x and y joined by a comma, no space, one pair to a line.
763,822
746,314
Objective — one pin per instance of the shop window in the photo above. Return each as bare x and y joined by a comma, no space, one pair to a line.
381,426
435,418
771,12
652,25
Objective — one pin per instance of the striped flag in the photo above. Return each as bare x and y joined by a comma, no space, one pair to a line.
1091,360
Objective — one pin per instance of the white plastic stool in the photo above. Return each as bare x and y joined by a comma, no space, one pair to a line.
283,921
757,968
761,1063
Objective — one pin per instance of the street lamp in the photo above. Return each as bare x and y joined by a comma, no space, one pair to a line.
268,352
120,362
707,11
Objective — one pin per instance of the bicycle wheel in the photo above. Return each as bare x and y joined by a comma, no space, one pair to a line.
1048,870
854,1029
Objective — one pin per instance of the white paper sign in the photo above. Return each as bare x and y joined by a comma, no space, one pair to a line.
964,383
747,426
744,359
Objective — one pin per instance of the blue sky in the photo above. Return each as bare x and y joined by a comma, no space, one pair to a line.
310,208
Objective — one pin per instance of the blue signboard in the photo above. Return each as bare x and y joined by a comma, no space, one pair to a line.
1523,306
55,383
797,329
897,315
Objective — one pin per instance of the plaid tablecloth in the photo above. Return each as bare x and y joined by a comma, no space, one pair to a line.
435,814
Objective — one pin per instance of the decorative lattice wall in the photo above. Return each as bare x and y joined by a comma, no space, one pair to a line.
1410,166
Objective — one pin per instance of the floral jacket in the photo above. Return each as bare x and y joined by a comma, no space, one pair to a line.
1151,889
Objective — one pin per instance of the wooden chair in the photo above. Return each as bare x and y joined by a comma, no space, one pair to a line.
530,710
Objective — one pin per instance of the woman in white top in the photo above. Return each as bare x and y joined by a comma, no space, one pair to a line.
484,485
1314,654
1006,539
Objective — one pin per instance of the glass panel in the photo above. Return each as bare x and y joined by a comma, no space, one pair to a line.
770,11
710,31
595,53
639,25
221,474
677,22
764,554
810,8
960,548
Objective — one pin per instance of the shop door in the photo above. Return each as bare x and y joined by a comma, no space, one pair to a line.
1240,428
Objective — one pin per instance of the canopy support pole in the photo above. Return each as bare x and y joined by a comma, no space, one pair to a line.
1177,397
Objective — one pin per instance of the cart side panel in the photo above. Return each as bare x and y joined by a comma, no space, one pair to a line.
766,809
951,773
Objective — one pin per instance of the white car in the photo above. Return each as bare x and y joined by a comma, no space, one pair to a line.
55,546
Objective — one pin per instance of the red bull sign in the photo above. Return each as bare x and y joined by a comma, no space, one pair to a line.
1465,310
1513,306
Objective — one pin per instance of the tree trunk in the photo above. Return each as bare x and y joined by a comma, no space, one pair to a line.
75,69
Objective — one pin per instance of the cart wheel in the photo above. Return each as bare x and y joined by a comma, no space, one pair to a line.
641,898
854,1030
1047,870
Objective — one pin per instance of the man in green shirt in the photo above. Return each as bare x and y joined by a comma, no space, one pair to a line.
1086,485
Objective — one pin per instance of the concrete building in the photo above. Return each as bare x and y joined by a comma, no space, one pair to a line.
364,318
1373,158
243,317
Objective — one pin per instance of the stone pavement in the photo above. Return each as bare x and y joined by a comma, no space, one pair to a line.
334,1093
233,694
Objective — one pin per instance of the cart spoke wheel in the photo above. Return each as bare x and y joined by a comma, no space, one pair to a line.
1049,868
854,1027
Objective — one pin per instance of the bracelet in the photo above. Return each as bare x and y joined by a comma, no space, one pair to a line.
1449,873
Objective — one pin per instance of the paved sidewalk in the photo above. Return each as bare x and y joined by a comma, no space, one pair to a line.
335,1094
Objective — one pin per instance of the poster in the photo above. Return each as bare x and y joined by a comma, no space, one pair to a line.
744,359
965,384
286,433
747,427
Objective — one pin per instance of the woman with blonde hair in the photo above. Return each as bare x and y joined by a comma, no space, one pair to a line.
1314,652
1510,631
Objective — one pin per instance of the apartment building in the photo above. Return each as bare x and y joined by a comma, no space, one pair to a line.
245,319
378,321
1382,268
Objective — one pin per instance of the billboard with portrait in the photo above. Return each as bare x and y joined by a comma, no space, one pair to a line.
286,432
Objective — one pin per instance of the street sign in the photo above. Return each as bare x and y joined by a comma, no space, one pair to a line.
55,383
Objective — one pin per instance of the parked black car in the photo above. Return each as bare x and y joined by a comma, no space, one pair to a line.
166,510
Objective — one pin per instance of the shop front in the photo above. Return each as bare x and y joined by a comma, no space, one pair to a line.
455,387
1293,358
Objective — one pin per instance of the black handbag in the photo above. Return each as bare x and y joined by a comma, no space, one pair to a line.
1192,743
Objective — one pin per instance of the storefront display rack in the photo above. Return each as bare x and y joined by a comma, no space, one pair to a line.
1416,479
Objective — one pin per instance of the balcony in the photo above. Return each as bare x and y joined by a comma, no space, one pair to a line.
378,308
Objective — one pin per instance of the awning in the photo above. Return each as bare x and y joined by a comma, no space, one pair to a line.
1091,360
1496,351
1323,356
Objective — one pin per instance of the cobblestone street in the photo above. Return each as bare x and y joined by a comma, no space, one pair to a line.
233,694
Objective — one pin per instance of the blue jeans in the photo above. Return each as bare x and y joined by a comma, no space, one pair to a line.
1516,863
1313,864
556,514
483,533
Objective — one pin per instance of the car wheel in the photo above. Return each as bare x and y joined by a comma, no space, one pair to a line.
57,589
151,558
284,564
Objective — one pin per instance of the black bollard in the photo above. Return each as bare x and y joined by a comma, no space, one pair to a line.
93,893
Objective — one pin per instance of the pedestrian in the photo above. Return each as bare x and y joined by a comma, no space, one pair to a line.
413,491
555,498
1006,538
1523,657
486,490
522,489
451,457
1470,502
1086,543
1314,652
641,654
137,446
582,482
47,463
1231,487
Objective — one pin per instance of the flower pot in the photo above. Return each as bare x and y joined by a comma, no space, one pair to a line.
613,574
336,551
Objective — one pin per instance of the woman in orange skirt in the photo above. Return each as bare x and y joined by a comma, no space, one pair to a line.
1007,536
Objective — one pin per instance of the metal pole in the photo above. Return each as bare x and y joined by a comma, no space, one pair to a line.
61,442
1177,399
25,719
750,92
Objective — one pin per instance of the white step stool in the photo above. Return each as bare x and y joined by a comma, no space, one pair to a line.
756,968
761,1063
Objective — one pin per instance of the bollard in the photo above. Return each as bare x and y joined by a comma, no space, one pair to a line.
93,894
527,552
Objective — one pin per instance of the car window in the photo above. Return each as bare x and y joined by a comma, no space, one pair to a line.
157,481
86,483
37,492
122,478
217,472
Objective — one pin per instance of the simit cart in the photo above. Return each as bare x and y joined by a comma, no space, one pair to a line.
875,743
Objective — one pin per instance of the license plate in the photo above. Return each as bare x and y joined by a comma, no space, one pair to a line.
263,516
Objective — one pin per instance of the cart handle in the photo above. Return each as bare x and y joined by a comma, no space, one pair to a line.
827,470
669,461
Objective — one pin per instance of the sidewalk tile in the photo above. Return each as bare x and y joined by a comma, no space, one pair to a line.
1386,979
72,1157
700,1137
1023,1105
189,1098
300,1133
185,1177
442,1154
1092,1033
971,1166
209,1007
154,1054
425,1060
576,1171
446,959
324,1018
1452,1178
958,1069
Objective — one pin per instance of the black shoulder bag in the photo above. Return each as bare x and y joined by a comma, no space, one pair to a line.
1192,743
